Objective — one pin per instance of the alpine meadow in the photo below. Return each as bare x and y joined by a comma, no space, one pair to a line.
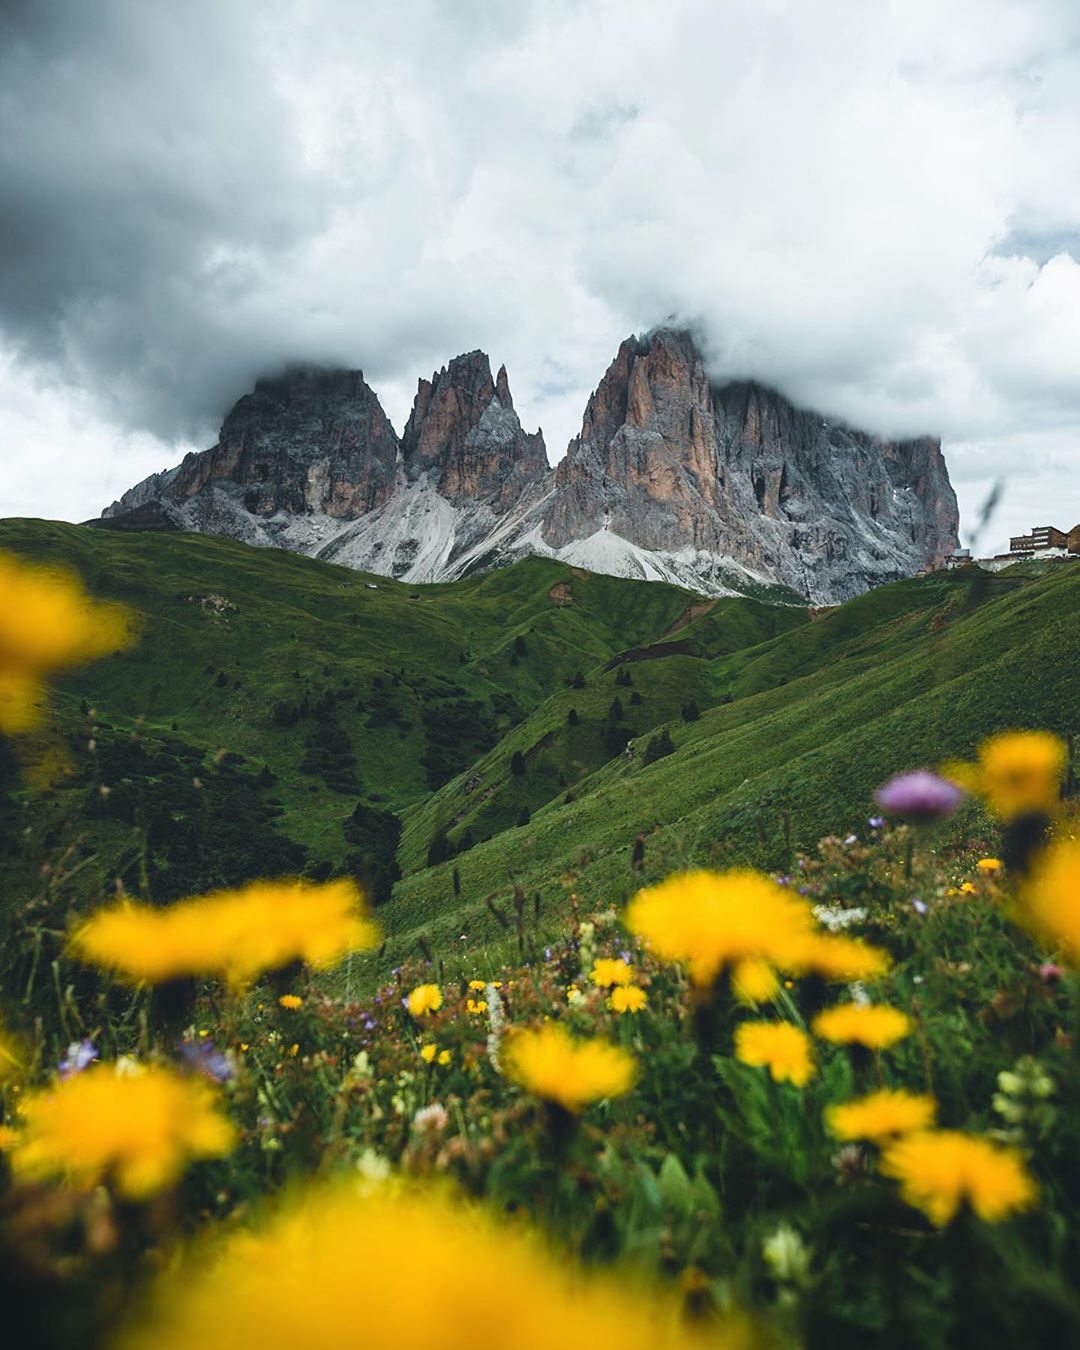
539,675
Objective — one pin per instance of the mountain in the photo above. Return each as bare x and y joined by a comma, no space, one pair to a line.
718,488
523,726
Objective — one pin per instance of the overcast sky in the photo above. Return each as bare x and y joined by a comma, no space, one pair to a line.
873,205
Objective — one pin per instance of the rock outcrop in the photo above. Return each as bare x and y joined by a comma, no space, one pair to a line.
695,473
718,488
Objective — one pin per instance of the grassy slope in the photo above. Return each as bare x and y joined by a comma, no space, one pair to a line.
909,674
820,711
301,627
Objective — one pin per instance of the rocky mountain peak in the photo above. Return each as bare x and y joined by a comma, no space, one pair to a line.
464,436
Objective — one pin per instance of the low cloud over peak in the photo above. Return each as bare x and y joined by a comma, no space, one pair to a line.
875,208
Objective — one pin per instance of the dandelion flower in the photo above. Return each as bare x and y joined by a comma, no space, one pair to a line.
291,1001
550,1063
627,999
326,1271
781,1047
881,1115
837,958
990,865
754,982
235,936
425,998
1050,901
444,1057
873,1026
139,1128
476,1006
1020,773
428,1052
608,972
47,623
938,1170
713,920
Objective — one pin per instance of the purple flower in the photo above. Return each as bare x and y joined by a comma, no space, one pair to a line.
919,795
79,1055
920,907
876,822
547,953
1050,972
369,1024
783,881
204,1057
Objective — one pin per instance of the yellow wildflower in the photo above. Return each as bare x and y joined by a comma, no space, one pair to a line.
139,1128
608,972
968,888
230,935
1050,900
8,1138
291,1001
428,1052
754,982
781,1047
550,1063
425,998
990,865
627,999
873,1026
444,1057
940,1169
330,1255
47,623
1021,772
477,985
476,1006
881,1115
713,920
838,958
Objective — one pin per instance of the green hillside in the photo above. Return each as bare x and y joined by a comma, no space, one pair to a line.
519,729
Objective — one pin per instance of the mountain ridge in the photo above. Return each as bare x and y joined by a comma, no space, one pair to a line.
719,488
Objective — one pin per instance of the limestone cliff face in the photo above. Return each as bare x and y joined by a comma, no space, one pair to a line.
307,441
464,434
711,487
673,465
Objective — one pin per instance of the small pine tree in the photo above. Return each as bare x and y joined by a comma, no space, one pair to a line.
455,878
635,698
616,710
624,678
578,681
440,849
519,646
691,712
572,718
525,816
517,764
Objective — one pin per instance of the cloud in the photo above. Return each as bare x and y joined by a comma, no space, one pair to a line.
875,207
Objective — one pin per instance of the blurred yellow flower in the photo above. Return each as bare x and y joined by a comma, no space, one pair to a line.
608,972
550,1063
425,998
968,888
47,623
873,1026
141,1129
837,958
754,982
881,1115
428,1052
938,1170
1049,902
714,920
781,1047
8,1138
290,1001
235,935
444,1057
477,985
990,865
627,999
1021,772
330,1258
476,1006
